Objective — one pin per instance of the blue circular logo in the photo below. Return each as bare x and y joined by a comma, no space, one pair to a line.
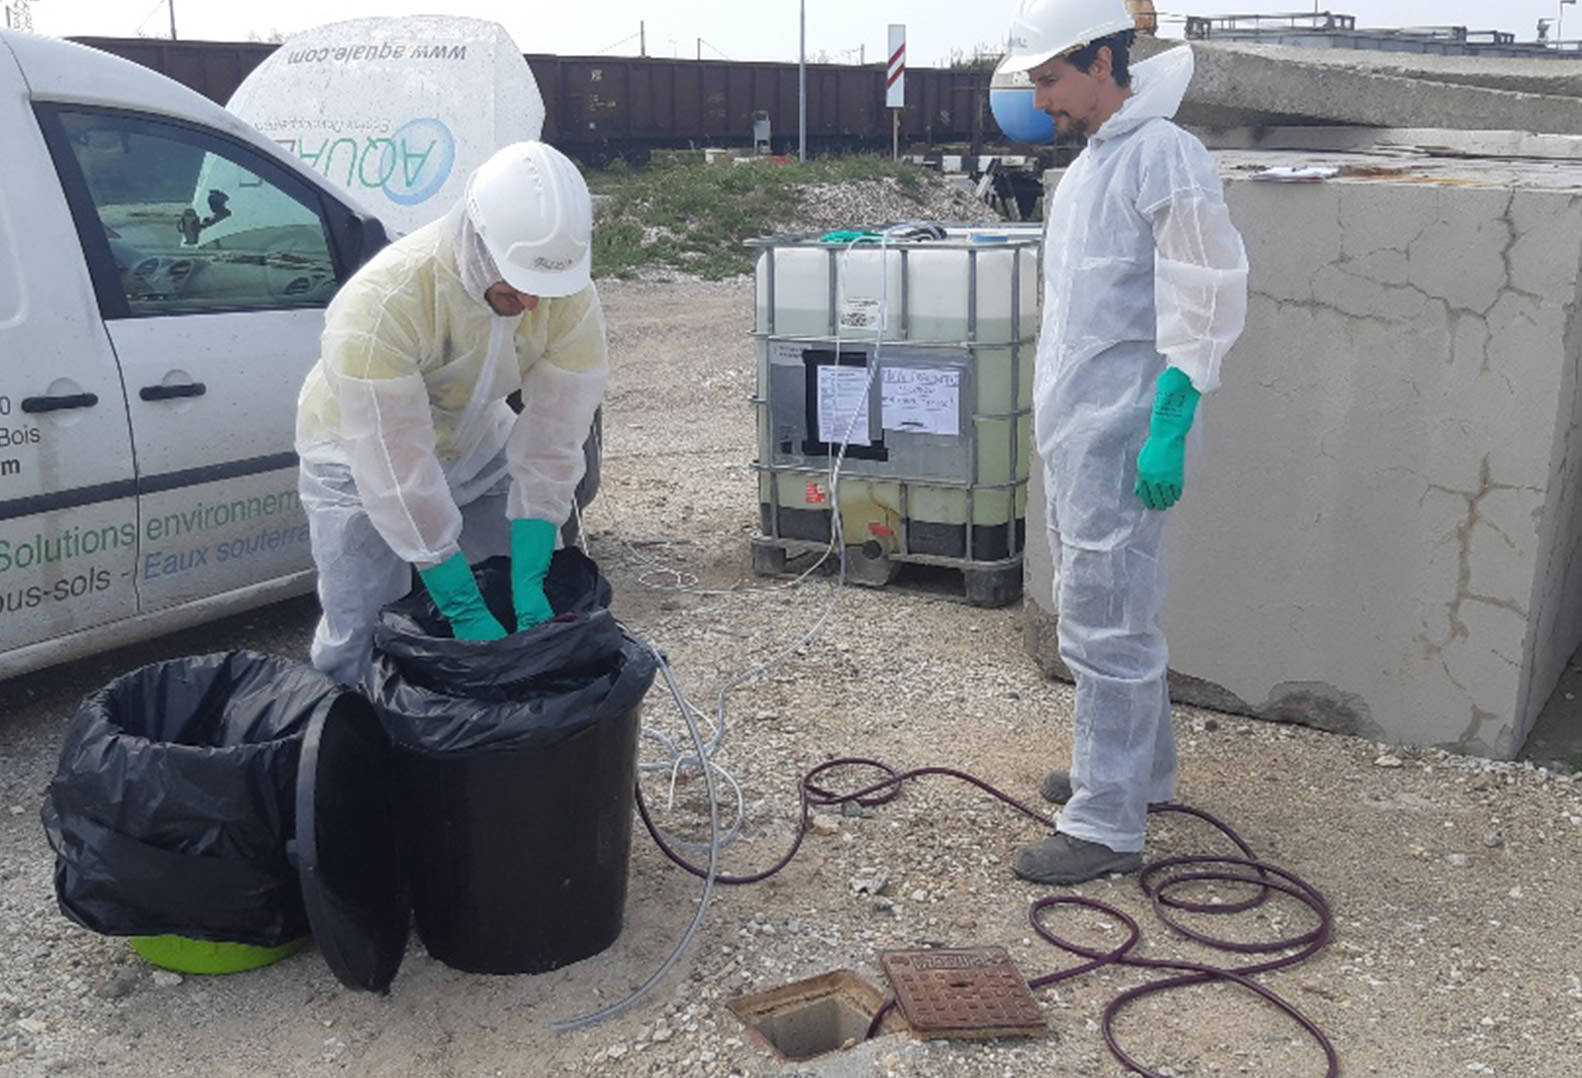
417,161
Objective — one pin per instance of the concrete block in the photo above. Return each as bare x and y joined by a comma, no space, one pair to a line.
1551,77
1287,257
1543,245
1384,533
1331,137
1459,257
1239,85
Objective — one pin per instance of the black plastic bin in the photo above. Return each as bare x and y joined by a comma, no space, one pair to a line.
174,801
515,765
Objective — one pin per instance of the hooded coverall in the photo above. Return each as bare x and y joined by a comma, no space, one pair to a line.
403,429
1141,259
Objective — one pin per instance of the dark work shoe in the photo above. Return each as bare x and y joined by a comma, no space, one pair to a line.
1063,860
1056,789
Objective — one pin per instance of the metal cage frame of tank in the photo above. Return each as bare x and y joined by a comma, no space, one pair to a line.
986,582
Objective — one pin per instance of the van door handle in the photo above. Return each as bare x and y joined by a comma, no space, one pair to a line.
165,393
59,404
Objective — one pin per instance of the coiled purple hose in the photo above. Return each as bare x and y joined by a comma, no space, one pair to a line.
1266,877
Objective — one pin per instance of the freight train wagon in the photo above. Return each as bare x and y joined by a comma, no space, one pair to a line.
601,107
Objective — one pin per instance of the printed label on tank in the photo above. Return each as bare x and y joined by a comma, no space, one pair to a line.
860,312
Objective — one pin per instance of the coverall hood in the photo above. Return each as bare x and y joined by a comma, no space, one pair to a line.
1158,85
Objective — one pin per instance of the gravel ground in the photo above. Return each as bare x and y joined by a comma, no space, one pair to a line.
843,205
1454,881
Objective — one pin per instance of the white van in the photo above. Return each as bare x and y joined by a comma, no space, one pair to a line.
148,374
150,356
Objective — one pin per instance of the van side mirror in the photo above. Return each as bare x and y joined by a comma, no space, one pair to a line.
365,237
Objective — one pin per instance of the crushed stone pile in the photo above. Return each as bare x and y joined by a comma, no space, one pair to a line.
827,206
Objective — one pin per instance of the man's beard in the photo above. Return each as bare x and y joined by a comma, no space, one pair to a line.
1074,126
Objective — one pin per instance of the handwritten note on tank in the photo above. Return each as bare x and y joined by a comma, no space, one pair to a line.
842,391
921,400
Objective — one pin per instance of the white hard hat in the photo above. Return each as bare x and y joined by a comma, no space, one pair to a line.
1044,29
530,206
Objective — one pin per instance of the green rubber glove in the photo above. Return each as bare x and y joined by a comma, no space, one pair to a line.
532,545
455,592
848,236
1161,464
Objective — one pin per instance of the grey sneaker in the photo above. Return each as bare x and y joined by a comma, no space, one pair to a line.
1063,860
1056,789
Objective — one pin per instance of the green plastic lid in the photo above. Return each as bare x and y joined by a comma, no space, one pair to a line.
185,955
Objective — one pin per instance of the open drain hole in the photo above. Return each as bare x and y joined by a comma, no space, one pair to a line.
811,1018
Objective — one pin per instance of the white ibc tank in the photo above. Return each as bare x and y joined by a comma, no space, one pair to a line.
397,111
824,289
920,352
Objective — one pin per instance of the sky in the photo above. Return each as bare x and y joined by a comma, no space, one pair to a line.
842,30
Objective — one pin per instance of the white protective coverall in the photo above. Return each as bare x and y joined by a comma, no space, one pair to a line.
1141,258
403,424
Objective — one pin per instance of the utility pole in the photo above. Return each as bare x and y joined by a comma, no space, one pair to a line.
801,95
172,5
700,49
642,38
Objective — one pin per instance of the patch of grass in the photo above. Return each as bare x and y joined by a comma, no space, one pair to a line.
681,214
617,247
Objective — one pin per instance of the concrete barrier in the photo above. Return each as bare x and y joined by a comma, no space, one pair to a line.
1239,85
1382,536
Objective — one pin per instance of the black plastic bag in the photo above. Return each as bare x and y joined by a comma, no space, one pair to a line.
175,797
533,688
514,767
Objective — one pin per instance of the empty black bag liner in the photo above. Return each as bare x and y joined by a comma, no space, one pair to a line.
515,764
174,800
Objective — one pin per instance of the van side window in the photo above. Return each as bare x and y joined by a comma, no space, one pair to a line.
191,225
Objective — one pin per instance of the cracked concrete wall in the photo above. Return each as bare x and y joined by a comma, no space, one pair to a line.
1238,85
1381,537
1548,76
1557,603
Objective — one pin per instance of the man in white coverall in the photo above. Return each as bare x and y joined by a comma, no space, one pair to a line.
1145,292
410,454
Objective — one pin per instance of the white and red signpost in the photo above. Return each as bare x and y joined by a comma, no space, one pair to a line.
895,85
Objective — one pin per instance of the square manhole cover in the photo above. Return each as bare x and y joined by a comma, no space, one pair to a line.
963,992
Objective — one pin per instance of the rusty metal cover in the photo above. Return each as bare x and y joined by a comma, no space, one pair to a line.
963,992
